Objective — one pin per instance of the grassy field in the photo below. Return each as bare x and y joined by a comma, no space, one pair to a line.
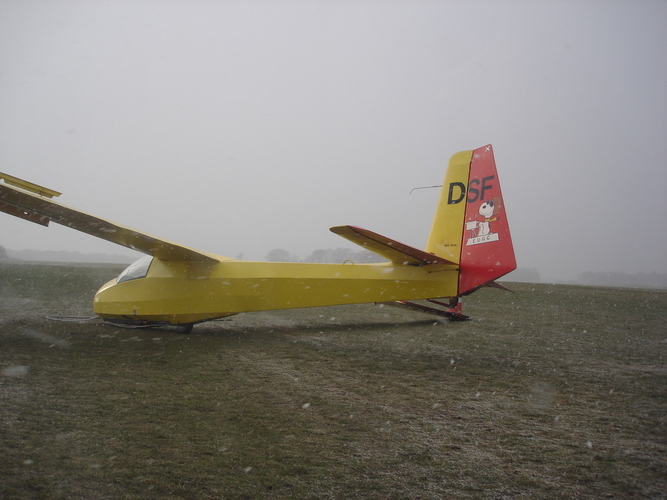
552,392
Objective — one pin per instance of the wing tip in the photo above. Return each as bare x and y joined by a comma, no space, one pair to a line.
31,187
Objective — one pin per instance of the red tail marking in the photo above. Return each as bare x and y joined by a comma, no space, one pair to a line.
486,250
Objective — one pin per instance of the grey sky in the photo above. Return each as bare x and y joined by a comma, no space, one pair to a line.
237,127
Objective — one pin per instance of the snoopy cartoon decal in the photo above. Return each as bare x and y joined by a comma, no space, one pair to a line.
481,230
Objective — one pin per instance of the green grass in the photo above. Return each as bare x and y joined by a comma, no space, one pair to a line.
552,392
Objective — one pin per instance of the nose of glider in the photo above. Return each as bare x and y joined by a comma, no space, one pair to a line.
100,301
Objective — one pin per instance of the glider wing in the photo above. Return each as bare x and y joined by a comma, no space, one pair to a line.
41,209
396,252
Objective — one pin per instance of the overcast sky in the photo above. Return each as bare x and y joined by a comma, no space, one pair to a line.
237,127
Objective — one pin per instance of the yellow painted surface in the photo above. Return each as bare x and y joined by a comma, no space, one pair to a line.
29,186
447,229
185,292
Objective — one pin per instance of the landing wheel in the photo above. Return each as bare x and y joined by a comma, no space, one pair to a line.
184,328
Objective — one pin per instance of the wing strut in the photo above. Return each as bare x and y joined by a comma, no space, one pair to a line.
452,312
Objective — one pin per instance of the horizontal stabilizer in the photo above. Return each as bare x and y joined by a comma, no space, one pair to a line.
396,252
42,210
488,284
494,284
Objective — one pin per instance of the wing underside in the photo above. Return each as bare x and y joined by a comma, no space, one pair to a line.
41,209
396,252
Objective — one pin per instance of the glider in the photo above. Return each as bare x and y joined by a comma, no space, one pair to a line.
469,247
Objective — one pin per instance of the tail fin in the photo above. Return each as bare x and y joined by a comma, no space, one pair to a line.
470,225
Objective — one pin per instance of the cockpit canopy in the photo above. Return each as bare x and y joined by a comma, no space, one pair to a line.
137,270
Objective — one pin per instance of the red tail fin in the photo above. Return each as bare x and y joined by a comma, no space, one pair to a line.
486,251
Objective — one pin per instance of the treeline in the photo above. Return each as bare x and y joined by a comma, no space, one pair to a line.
639,280
63,256
326,256
524,275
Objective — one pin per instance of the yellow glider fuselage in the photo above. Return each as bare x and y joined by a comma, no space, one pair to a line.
190,292
469,246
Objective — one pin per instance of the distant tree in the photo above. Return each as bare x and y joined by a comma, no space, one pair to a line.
366,256
281,255
3,253
641,280
340,255
319,257
524,274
